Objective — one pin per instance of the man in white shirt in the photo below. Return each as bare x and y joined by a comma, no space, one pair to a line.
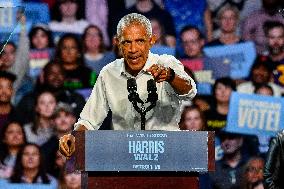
134,39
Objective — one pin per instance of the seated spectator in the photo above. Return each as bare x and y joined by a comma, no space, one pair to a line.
192,42
30,168
7,110
228,17
95,54
253,173
253,25
192,119
260,73
69,53
229,170
41,49
69,20
217,115
12,139
64,119
40,129
53,77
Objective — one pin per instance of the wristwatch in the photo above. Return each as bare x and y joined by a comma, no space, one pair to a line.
171,76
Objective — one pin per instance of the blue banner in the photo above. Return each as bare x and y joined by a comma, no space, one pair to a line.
230,60
255,114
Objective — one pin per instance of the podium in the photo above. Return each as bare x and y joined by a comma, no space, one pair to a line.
143,159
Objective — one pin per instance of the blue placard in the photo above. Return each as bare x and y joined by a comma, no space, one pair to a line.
255,114
146,151
162,49
37,12
5,184
204,88
232,60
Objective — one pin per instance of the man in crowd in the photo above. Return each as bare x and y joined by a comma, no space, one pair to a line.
134,39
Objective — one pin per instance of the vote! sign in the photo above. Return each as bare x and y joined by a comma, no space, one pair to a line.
255,114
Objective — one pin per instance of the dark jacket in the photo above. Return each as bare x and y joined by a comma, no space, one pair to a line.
274,167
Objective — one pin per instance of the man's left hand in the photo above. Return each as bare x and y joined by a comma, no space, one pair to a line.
159,72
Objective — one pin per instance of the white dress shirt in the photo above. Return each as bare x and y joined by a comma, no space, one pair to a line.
110,91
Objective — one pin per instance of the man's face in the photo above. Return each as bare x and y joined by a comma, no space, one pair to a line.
8,56
231,145
192,44
134,44
6,90
276,40
55,77
260,75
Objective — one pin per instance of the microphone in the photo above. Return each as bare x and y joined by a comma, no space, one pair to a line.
132,88
152,94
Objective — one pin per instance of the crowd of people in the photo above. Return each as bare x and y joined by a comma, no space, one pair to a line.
43,76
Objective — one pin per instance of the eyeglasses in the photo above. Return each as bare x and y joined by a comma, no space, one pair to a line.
255,170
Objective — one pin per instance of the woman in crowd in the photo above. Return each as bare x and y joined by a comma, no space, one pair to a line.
192,119
69,19
95,54
29,167
70,180
253,173
41,129
70,54
12,139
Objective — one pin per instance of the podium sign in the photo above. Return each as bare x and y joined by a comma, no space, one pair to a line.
146,151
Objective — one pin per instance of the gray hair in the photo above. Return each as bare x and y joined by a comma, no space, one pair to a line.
133,18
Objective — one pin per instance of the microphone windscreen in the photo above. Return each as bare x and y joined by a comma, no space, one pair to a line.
151,85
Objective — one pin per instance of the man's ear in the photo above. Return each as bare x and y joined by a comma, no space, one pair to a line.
115,40
153,39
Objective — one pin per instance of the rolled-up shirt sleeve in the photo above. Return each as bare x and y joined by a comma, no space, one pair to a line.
96,107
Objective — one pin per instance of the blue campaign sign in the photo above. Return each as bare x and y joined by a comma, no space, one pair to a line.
8,12
235,58
255,114
6,184
37,12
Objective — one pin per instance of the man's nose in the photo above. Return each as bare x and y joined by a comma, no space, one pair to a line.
133,47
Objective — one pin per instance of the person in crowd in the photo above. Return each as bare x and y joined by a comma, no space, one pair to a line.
29,167
273,169
41,49
253,173
151,10
264,89
192,118
134,39
274,33
217,115
12,139
161,46
229,170
7,110
64,119
202,101
192,42
70,19
41,128
253,25
15,59
260,73
245,7
53,77
95,54
70,180
70,54
228,19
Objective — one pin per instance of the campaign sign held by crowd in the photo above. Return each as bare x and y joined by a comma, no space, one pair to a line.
255,114
230,60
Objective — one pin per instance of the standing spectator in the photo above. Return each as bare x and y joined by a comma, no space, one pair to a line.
192,41
69,20
253,25
29,167
95,54
253,173
228,19
273,169
12,139
7,110
41,128
64,119
70,180
69,53
53,81
260,73
229,169
192,118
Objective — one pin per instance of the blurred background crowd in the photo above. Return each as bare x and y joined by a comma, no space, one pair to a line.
47,73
